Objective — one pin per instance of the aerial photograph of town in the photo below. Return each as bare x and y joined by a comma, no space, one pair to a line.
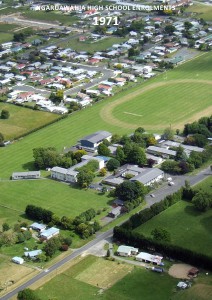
106,150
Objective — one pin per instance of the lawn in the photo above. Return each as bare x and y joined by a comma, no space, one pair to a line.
8,27
93,46
70,130
58,197
5,37
188,228
22,120
85,279
202,11
205,185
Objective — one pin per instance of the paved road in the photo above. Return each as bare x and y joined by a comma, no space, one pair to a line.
159,195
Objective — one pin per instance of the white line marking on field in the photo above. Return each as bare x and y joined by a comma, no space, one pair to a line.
128,113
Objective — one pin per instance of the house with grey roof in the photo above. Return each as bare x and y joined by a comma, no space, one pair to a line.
32,254
49,233
92,141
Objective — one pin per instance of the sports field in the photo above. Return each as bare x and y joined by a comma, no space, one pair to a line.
96,278
58,197
161,104
22,120
70,130
91,47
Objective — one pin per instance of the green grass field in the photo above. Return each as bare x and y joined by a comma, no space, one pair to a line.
93,46
58,197
8,27
5,37
70,130
83,281
50,16
202,11
205,185
171,104
22,120
185,224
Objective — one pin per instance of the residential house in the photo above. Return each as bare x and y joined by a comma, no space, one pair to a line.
49,233
127,251
33,254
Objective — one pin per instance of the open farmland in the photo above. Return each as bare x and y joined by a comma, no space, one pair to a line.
85,280
68,131
185,224
22,120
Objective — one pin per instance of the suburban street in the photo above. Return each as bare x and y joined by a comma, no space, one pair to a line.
160,193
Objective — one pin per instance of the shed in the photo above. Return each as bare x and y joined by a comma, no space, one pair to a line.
38,227
18,260
115,212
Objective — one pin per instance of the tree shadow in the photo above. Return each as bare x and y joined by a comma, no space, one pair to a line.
207,223
190,210
110,202
29,166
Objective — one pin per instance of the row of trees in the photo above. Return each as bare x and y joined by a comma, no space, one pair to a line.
160,240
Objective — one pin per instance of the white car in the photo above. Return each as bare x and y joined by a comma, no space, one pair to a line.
171,183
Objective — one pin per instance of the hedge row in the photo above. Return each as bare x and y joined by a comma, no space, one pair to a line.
125,232
148,213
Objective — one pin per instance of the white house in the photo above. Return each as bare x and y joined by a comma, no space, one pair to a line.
127,251
32,254
49,233
149,258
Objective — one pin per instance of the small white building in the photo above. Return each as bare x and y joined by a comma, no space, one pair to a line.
18,260
127,251
38,227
